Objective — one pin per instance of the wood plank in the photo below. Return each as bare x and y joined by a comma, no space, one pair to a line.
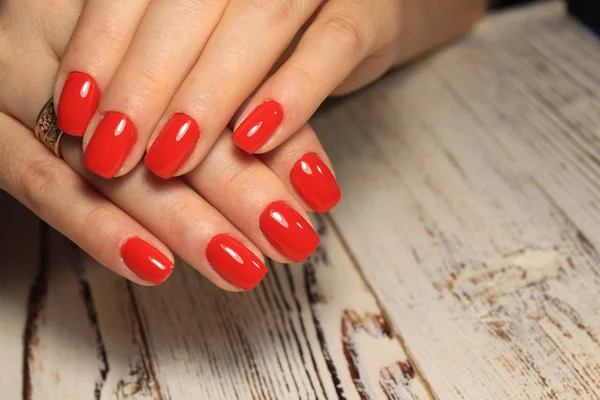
80,350
490,276
130,372
309,331
20,249
470,183
55,343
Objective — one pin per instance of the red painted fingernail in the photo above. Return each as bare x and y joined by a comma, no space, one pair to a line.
315,183
77,104
291,234
110,145
235,262
259,126
173,146
146,261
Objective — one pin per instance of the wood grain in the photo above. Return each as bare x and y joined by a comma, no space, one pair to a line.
310,331
481,191
22,262
461,264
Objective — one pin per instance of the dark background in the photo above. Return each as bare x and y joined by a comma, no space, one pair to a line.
507,3
588,11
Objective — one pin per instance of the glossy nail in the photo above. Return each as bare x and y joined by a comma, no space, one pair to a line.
173,146
146,261
315,183
235,262
288,232
77,104
259,126
110,145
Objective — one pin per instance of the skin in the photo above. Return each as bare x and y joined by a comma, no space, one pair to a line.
217,60
180,214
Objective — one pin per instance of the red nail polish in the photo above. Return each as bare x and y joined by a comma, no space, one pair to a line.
315,183
110,145
235,262
291,234
173,146
77,104
259,126
146,261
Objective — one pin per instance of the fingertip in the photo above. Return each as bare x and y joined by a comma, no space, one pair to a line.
173,146
110,146
314,181
146,261
259,126
235,263
77,104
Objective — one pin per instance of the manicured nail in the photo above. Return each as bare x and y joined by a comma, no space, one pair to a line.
259,126
77,104
315,183
235,262
110,145
173,146
146,261
288,232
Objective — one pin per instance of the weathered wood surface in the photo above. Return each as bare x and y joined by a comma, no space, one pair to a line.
461,264
479,193
309,331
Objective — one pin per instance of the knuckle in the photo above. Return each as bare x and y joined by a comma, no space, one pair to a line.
191,7
151,78
181,218
96,218
105,43
38,182
269,10
349,31
306,81
237,179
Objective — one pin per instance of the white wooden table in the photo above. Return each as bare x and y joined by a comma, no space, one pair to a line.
462,263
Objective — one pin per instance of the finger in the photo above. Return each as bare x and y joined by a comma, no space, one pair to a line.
232,259
167,43
344,32
190,226
367,72
45,184
59,19
255,201
249,39
103,33
51,189
64,200
303,166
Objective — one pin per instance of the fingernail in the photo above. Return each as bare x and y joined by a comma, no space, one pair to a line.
146,261
235,262
173,146
110,145
77,104
259,126
315,183
288,232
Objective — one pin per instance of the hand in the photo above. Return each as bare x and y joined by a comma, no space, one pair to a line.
219,217
172,74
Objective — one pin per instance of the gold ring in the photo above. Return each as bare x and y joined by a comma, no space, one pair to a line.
46,128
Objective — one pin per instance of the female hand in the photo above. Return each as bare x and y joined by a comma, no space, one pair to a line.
219,217
173,73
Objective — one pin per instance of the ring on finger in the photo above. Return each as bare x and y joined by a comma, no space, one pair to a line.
46,128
